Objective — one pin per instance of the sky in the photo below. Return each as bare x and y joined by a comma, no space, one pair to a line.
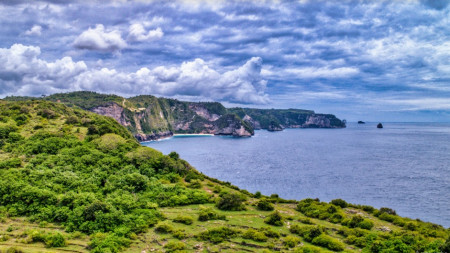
360,60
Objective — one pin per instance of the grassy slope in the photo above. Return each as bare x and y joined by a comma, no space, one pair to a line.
19,225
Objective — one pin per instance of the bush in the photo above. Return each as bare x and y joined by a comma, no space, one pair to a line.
179,234
388,211
254,235
193,175
366,224
207,213
55,240
163,228
231,202
174,246
339,202
306,221
269,232
328,242
291,241
358,221
184,219
274,219
195,184
369,209
307,232
107,242
217,235
336,218
264,205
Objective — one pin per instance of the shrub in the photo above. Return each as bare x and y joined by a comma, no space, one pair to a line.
55,240
388,211
264,205
306,221
357,241
269,232
107,242
307,232
195,184
163,228
254,235
174,246
217,235
191,175
366,224
184,219
72,120
339,202
368,209
231,202
291,241
274,219
207,213
179,234
328,242
257,195
387,217
358,221
47,113
336,218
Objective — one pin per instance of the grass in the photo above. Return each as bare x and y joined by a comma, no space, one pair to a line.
239,221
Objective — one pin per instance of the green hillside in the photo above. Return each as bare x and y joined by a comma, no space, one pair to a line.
75,181
148,117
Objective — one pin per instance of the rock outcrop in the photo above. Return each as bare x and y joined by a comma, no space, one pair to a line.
151,118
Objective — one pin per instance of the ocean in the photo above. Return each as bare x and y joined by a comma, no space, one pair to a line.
404,166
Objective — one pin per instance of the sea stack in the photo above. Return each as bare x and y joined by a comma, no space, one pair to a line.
380,125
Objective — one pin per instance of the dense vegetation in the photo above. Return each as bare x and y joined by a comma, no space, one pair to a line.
74,181
146,114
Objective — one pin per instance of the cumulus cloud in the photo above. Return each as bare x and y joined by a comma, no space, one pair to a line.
137,32
21,71
100,39
35,30
24,73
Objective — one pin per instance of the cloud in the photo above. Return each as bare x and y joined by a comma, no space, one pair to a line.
204,50
24,73
100,40
21,71
35,30
323,72
137,32
436,4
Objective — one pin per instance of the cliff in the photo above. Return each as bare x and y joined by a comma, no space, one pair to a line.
151,118
279,119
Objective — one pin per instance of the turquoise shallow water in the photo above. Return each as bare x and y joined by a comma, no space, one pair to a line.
404,166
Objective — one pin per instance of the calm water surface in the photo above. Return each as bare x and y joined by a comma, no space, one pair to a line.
404,166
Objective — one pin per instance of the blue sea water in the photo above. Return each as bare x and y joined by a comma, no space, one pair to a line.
404,166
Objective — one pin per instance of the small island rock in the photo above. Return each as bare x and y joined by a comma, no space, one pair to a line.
380,125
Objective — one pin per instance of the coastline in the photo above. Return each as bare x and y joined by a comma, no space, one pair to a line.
177,135
180,135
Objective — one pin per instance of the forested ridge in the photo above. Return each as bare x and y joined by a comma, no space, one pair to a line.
75,181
